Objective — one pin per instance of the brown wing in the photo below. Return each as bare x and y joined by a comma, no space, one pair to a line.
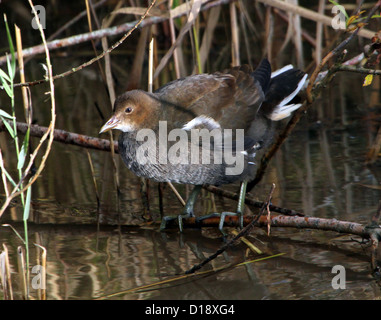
200,94
248,98
231,98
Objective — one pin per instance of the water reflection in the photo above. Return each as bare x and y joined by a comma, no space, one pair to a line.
85,264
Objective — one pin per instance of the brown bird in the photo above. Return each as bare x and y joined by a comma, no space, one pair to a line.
205,128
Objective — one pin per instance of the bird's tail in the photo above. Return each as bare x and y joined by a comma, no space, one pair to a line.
280,90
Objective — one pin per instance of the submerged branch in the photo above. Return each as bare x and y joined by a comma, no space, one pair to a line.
246,230
371,232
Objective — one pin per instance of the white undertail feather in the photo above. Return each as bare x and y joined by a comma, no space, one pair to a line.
282,110
284,69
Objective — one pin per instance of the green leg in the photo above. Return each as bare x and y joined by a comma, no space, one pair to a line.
187,212
241,203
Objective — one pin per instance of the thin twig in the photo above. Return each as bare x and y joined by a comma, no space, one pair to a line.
335,51
195,10
74,20
88,63
358,70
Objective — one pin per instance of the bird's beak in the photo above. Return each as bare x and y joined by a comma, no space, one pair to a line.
110,124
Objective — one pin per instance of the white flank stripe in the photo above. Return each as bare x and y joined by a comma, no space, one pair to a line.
206,121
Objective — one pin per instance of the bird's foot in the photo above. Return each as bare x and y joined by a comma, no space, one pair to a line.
222,219
180,217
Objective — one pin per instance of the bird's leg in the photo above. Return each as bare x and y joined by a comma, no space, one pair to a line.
189,206
239,213
187,212
241,203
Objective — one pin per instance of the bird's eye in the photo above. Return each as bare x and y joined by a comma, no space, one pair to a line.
128,110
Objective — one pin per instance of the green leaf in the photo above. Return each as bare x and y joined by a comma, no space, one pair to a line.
11,48
10,68
23,151
334,2
175,3
5,114
27,204
9,177
7,88
341,8
9,128
3,170
4,75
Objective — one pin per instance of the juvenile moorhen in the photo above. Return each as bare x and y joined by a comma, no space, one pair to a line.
205,128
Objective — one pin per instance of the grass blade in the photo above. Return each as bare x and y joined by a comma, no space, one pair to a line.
5,114
27,204
4,75
15,231
10,179
6,87
9,127
12,65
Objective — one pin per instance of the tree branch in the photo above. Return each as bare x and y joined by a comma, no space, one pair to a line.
65,137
